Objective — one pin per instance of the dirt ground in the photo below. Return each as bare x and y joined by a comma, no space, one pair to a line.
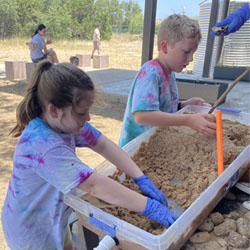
124,50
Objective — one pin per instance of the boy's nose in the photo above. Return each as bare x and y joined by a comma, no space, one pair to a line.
190,58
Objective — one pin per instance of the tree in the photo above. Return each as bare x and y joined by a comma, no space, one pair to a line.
115,12
82,12
28,12
102,17
130,9
8,16
136,24
57,19
67,18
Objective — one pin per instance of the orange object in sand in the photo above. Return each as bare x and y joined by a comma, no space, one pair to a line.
219,141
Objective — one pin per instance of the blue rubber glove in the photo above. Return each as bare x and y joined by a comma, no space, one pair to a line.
148,188
154,210
235,20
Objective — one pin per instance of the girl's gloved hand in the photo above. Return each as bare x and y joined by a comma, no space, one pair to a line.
235,20
154,210
149,189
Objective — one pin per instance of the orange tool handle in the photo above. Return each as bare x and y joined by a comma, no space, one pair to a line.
219,141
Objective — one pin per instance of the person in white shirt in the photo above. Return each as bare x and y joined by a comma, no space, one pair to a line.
96,41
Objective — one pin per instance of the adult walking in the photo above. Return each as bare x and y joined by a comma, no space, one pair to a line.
38,49
96,41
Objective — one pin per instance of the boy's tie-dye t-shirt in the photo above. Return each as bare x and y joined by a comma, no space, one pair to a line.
152,89
45,168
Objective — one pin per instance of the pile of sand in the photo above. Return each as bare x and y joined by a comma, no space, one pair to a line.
182,164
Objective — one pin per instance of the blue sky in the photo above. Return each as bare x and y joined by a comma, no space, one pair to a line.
168,7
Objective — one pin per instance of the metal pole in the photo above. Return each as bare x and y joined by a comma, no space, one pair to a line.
210,39
148,30
224,11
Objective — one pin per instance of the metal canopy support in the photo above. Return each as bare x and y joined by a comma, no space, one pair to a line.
210,39
221,38
148,30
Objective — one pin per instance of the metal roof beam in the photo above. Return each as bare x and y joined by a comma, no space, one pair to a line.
210,39
148,30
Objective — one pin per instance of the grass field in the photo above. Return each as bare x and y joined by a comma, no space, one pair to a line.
124,50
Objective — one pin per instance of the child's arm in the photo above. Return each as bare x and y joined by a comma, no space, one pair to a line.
114,193
120,159
200,122
117,156
45,49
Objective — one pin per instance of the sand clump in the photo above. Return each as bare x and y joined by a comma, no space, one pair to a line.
182,164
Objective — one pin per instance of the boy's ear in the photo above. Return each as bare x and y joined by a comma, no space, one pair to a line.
53,111
164,46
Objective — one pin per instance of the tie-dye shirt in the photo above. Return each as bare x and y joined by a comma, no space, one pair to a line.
152,89
45,168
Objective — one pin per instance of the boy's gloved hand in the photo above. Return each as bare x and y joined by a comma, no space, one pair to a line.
148,188
154,210
235,20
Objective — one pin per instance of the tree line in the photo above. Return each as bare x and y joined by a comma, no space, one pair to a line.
67,19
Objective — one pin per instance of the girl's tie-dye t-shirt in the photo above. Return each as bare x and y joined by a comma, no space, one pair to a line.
152,89
45,168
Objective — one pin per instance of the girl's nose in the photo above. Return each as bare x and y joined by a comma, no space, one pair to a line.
88,117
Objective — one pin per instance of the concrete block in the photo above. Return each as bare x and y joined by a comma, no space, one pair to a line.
101,61
84,60
29,69
15,70
209,91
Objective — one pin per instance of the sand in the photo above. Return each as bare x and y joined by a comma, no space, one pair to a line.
182,164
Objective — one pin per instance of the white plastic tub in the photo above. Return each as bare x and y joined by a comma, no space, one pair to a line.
131,237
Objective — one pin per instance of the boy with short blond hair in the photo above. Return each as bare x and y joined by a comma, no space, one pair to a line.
176,27
153,98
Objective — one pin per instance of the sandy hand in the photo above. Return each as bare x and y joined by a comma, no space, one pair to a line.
203,123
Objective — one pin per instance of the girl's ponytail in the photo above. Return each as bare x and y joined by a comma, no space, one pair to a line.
30,107
35,32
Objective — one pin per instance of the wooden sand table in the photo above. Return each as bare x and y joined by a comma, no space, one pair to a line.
186,156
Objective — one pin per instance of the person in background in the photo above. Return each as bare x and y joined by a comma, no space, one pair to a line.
52,120
153,98
96,41
234,21
38,49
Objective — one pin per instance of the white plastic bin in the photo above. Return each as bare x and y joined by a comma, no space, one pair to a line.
132,237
